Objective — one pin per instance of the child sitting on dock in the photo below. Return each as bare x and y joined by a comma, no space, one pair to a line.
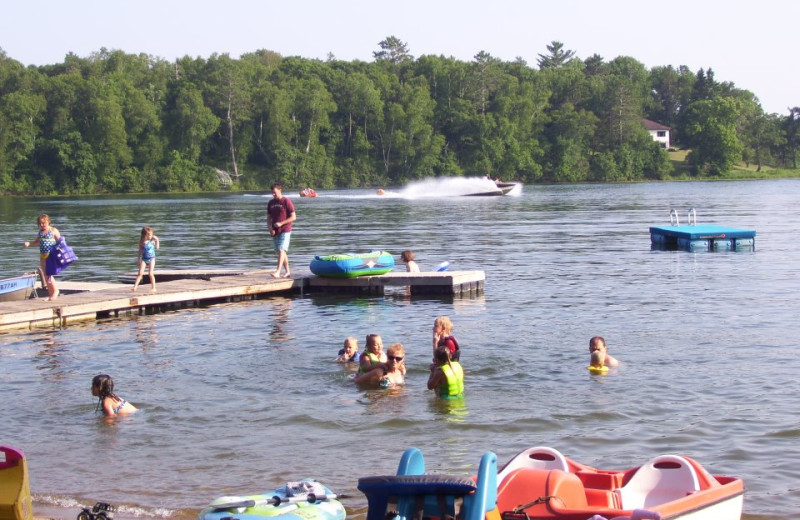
349,352
408,258
597,343
443,337
148,243
111,403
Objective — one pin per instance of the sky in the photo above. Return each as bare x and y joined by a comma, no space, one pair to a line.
753,44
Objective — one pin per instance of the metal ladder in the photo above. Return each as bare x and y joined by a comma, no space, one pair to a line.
691,217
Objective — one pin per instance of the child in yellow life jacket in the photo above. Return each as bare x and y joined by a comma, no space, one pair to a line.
447,376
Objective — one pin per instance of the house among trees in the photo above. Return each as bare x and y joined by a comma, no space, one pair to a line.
658,132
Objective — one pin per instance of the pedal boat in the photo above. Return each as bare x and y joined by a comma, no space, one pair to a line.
540,483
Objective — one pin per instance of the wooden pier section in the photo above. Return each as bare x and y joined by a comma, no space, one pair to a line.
177,289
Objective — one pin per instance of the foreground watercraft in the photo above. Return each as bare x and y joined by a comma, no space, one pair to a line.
540,483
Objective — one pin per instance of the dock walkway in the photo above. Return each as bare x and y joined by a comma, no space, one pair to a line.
82,301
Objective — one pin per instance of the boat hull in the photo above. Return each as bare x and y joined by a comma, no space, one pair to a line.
683,490
502,189
350,266
329,509
17,288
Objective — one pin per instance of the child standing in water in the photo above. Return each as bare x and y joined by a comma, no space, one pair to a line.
111,403
48,236
148,243
447,376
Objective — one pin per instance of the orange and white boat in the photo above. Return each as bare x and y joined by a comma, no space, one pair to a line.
540,483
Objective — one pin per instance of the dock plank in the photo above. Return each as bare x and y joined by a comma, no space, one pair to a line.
84,301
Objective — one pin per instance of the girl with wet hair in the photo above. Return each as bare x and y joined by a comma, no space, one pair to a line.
111,403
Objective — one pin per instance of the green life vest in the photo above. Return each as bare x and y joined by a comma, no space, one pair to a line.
454,374
374,359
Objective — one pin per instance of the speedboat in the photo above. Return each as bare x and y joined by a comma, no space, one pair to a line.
541,483
18,287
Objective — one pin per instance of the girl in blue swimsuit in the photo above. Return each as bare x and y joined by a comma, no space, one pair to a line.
148,244
111,403
48,236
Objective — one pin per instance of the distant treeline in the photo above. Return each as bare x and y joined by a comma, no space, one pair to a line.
117,122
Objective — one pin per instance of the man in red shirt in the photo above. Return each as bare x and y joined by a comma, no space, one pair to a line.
280,215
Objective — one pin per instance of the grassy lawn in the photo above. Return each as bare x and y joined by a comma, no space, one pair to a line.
682,170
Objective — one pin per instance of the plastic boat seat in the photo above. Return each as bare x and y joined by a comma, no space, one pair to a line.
560,490
406,497
15,492
539,457
663,479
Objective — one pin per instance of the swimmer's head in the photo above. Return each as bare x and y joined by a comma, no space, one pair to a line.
443,324
102,386
351,344
374,343
597,343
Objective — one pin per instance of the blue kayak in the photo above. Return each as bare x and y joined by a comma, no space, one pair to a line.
349,266
304,500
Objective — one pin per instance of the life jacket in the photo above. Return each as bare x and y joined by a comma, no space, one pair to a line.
454,374
455,355
374,359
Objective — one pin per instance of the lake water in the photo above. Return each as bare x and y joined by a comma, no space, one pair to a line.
240,398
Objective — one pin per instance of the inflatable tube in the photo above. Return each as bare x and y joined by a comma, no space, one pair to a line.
597,370
286,510
349,266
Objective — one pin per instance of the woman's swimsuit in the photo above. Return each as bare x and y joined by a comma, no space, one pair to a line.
46,242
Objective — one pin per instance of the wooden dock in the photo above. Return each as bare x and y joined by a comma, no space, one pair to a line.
82,301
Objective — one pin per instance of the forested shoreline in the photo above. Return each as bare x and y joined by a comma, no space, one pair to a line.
119,123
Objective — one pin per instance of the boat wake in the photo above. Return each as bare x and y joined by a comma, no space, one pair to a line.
430,188
441,187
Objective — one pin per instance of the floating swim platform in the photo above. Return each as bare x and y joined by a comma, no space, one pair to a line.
700,237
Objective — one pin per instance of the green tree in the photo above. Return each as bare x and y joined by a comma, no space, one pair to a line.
188,121
711,131
229,97
557,57
791,129
393,50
